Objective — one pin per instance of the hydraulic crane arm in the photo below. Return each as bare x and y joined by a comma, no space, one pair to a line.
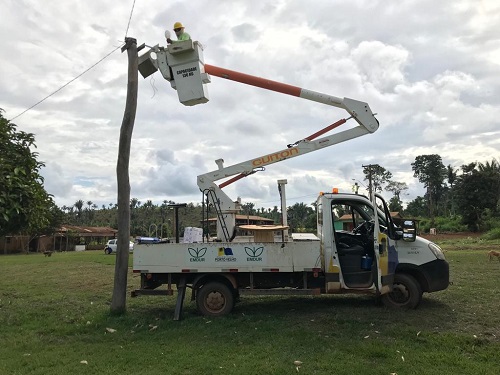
358,110
183,65
226,207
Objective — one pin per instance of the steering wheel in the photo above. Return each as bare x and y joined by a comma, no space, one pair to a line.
365,228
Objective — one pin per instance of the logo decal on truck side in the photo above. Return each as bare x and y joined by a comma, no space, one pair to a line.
225,254
254,253
197,255
273,158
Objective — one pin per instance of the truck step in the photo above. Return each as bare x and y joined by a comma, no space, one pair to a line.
280,292
152,292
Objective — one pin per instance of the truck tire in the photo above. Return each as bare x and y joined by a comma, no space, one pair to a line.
215,299
406,293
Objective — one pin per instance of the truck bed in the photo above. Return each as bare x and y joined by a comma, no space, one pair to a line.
227,257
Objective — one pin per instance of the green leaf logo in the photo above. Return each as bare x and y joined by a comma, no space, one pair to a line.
254,252
197,253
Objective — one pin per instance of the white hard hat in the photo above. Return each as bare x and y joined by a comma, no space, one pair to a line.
167,34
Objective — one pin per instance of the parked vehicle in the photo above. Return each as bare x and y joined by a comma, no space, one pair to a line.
111,246
372,255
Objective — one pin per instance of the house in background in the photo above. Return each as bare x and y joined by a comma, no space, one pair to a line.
66,238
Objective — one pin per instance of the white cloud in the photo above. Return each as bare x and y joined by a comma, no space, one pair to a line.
429,69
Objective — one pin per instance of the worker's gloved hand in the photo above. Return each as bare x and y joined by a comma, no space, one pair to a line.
169,40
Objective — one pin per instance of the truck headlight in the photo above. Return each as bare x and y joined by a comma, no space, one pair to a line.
436,250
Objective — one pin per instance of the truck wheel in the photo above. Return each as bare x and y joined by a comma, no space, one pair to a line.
406,293
214,299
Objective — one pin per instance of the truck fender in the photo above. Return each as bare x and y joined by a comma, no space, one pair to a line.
416,273
226,278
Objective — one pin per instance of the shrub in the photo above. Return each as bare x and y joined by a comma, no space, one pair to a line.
493,234
450,224
489,221
442,224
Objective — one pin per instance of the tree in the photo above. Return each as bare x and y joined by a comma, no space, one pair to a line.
248,208
376,176
417,207
299,217
451,175
396,188
430,171
477,193
395,204
25,206
79,206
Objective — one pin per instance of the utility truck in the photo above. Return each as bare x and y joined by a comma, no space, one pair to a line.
368,254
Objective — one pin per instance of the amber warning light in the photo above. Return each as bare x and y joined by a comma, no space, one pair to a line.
335,191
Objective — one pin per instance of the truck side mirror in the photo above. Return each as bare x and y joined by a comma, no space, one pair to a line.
409,230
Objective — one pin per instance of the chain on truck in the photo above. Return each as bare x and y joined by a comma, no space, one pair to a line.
368,254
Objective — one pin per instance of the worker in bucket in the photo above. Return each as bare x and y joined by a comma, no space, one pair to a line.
179,31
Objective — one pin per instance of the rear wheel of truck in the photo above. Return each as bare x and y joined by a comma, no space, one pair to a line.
215,299
406,293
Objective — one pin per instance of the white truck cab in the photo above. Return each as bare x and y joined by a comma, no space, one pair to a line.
414,264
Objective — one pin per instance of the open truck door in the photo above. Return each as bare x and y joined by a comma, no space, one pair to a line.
384,236
363,252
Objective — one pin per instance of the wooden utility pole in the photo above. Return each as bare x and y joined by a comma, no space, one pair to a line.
119,299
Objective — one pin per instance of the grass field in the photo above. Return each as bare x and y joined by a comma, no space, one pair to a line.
54,319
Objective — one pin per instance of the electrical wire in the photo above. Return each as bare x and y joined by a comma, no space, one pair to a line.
66,84
81,74
129,19
152,83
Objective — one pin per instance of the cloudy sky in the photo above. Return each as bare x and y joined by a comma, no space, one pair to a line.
429,69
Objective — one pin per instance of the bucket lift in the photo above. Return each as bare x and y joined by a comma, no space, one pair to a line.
182,64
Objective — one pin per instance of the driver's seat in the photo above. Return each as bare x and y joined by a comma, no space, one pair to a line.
345,249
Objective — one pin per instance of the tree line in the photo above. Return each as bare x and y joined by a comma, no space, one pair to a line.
465,197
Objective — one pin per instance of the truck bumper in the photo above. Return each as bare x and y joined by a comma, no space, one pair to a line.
432,276
437,274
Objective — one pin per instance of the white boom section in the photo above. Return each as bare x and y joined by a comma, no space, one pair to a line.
358,110
229,208
183,65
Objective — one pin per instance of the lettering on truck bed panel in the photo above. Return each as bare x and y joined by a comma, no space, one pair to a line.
243,256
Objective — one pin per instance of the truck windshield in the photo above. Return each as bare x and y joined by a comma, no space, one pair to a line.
357,212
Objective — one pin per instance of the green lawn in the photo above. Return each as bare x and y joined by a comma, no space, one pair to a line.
54,314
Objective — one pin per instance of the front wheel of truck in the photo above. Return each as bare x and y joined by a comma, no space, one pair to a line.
406,293
215,299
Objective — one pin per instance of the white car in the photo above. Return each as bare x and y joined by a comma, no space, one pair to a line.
111,246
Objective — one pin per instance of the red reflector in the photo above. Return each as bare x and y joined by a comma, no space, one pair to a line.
136,271
186,271
275,270
233,270
149,276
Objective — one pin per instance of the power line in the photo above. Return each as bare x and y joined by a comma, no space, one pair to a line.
66,84
130,18
81,74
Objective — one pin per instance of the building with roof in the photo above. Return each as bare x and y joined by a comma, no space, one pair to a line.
66,238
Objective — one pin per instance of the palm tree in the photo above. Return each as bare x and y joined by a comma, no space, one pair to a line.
79,205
